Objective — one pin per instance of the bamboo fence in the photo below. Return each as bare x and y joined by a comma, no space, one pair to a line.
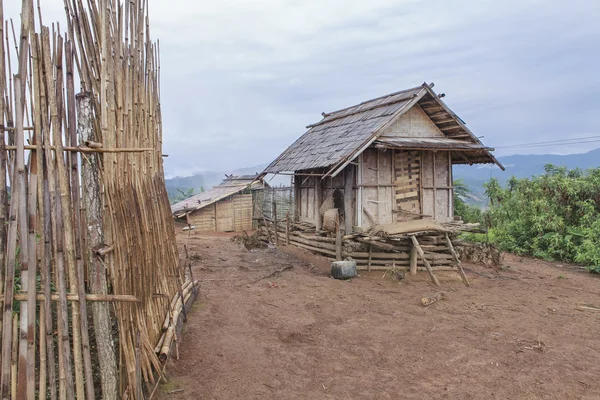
91,280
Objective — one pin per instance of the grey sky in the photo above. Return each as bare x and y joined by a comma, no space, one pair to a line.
241,79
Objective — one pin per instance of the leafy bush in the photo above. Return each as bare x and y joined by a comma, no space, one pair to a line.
555,216
467,212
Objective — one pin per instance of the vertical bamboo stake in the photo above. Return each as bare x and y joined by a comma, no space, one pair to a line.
67,223
46,317
97,269
14,354
64,354
23,235
3,171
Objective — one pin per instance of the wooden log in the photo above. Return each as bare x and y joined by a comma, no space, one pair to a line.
463,276
427,301
427,265
364,267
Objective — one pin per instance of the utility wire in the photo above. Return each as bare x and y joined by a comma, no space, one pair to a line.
587,139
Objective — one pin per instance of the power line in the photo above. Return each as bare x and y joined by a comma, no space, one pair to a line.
587,139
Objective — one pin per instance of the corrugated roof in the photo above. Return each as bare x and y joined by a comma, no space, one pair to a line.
228,187
342,135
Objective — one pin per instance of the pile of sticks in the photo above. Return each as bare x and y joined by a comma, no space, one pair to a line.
430,251
86,240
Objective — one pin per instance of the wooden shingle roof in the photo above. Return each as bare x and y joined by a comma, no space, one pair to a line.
342,135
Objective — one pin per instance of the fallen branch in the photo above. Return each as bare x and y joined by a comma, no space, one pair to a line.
277,271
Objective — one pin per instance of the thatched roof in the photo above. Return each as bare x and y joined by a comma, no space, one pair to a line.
230,186
342,135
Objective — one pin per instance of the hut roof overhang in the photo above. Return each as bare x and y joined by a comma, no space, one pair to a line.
229,186
342,135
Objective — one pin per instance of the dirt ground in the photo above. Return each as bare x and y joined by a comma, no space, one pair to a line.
516,334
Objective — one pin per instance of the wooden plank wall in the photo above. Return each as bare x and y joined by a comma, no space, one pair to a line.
407,185
377,174
437,185
306,198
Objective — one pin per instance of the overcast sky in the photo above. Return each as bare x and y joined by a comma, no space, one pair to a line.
242,79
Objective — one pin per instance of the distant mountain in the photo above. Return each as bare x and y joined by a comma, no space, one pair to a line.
520,166
204,180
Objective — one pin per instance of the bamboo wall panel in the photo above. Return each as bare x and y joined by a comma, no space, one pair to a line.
407,185
224,210
414,123
242,209
204,219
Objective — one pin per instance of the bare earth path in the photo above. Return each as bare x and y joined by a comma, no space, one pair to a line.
302,335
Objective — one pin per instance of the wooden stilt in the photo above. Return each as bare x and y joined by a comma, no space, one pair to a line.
338,242
457,261
413,260
422,255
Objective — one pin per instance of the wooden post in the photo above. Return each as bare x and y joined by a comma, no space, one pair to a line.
287,228
275,221
348,196
433,154
456,260
427,265
92,206
370,254
318,202
338,242
413,260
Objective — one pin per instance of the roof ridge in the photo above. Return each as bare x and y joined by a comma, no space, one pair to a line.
373,99
398,100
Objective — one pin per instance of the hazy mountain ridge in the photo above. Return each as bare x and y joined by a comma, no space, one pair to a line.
205,180
521,166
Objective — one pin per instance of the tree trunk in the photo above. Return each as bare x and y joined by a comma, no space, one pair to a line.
97,270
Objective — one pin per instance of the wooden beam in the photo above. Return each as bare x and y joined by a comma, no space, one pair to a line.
463,276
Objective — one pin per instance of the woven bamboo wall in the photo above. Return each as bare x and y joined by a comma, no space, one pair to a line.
233,213
407,185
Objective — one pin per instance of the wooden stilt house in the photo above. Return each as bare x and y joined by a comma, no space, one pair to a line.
227,207
382,161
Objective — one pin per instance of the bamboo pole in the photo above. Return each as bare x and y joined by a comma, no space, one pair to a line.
24,374
64,355
3,183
